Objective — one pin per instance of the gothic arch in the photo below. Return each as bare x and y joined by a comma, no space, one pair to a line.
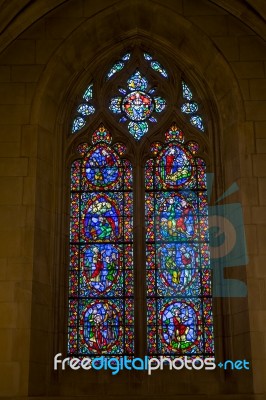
70,68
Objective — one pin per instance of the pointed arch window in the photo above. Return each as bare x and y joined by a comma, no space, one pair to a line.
179,317
172,186
101,238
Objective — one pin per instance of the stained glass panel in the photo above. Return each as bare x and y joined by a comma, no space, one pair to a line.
137,82
138,105
189,108
118,66
155,65
78,123
187,94
138,129
115,105
178,276
101,135
88,93
101,250
160,104
156,147
86,109
120,148
147,57
196,120
115,68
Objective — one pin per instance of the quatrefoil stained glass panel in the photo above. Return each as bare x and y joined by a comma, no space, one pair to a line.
138,105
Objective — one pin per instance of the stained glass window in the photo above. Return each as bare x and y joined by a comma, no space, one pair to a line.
178,276
179,310
84,109
118,66
155,65
196,120
191,107
101,250
138,106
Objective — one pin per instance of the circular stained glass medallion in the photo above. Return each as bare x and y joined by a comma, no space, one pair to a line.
102,167
138,106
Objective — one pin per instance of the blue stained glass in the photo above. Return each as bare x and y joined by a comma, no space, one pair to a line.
118,65
123,119
85,109
88,93
115,105
196,120
121,90
187,94
102,167
137,82
101,220
78,123
101,267
101,304
126,57
115,68
152,90
177,219
189,108
178,275
157,67
160,104
180,326
147,57
137,105
138,129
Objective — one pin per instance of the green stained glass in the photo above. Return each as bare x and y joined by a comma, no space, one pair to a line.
155,65
101,303
118,66
138,129
88,93
160,104
178,275
137,82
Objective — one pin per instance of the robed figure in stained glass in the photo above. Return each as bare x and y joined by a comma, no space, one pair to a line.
177,250
101,278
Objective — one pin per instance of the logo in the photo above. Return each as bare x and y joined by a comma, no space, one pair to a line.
227,243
